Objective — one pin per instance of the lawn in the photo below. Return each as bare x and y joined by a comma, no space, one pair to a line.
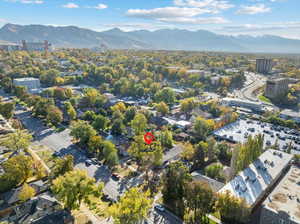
264,99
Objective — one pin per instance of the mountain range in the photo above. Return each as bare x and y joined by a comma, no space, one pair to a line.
164,39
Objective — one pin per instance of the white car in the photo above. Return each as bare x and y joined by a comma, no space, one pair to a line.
159,208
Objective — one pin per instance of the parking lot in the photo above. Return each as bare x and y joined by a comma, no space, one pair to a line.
238,132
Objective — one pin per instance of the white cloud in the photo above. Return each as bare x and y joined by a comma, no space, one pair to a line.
167,12
2,20
101,6
214,5
253,9
263,27
195,21
71,5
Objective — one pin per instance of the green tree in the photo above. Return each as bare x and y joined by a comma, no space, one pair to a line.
139,123
54,115
100,122
82,131
166,95
110,153
74,188
202,128
132,208
200,201
70,111
213,170
7,109
130,114
199,158
175,180
20,139
62,166
18,169
95,144
187,105
26,193
162,108
118,127
232,209
188,152
166,139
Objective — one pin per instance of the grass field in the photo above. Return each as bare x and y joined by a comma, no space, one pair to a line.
264,99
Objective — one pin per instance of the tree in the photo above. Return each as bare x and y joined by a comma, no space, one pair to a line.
139,123
175,180
18,169
119,106
199,158
132,208
188,152
187,105
166,139
147,155
100,122
70,111
20,139
82,131
118,127
110,153
213,170
200,201
248,152
130,114
232,209
95,144
62,166
26,193
162,108
54,115
7,109
166,95
90,97
202,128
75,187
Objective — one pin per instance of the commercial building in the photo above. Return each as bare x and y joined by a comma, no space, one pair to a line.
10,47
235,102
276,87
255,182
283,204
36,46
264,65
31,84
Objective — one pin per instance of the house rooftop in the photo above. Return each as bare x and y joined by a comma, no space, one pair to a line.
214,184
25,79
286,196
252,183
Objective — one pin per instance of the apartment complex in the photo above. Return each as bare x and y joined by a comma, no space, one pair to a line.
283,204
26,46
31,84
264,65
254,183
235,102
276,87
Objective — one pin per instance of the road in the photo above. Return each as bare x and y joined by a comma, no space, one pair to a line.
62,142
253,82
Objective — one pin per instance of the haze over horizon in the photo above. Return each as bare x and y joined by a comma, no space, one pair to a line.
231,17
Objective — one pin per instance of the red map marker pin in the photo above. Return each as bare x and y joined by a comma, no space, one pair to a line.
148,138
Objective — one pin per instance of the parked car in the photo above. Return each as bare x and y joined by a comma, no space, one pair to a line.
115,176
88,162
159,208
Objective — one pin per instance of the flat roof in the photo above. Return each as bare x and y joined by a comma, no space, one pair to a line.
290,113
237,100
252,182
26,79
286,196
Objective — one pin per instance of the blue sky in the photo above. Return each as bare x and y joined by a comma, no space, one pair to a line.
255,17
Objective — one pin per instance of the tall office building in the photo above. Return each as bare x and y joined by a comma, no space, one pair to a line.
264,65
276,87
